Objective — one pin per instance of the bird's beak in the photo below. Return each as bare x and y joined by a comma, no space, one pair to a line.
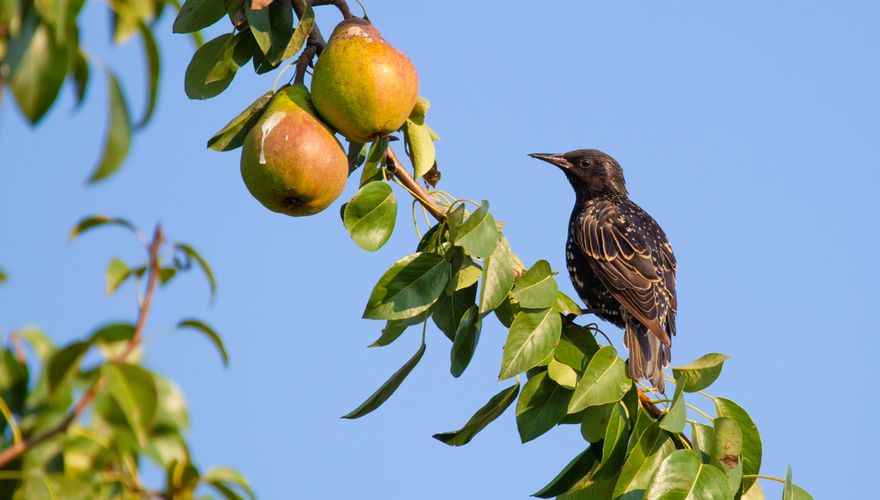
555,159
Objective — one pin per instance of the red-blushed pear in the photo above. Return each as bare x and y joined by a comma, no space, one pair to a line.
290,161
362,86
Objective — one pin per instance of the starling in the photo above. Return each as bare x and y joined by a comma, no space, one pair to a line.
620,262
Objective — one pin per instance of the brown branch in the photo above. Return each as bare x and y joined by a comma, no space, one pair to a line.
20,447
649,407
397,170
302,62
342,5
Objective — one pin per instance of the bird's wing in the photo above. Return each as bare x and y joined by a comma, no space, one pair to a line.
629,253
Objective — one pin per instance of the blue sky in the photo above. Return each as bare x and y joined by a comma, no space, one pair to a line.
749,131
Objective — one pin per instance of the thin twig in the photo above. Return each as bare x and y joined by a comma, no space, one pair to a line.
20,447
410,184
342,5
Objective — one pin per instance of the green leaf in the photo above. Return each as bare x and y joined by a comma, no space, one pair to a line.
219,53
38,65
232,135
112,338
536,288
94,221
420,147
701,437
565,305
196,15
467,335
191,253
383,393
479,234
225,476
3,277
616,432
595,422
754,493
483,417
171,410
409,287
14,377
394,328
791,491
467,275
272,27
576,347
64,363
376,156
118,138
166,274
647,450
498,275
683,476
117,273
562,374
151,54
357,155
39,342
449,310
751,439
420,109
210,333
80,74
370,215
604,381
300,34
726,451
134,390
674,419
699,374
532,337
541,406
581,467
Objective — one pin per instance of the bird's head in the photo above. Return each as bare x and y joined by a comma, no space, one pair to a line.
590,171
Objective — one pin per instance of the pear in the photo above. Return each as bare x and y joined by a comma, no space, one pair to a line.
362,86
290,161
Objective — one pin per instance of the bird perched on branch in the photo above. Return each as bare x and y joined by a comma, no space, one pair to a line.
619,259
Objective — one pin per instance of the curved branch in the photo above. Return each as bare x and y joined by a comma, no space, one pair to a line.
397,170
20,447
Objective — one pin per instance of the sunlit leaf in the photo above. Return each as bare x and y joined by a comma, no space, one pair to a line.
565,305
300,34
683,476
751,439
604,381
117,272
647,450
699,374
370,215
232,135
791,491
64,363
674,419
388,388
228,477
562,374
118,134
210,333
38,65
409,287
420,146
134,390
532,337
479,234
576,347
94,221
536,288
726,451
498,277
483,417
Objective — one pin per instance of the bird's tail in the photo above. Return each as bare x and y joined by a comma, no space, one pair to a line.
647,354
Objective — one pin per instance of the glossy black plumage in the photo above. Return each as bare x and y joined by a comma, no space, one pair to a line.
620,261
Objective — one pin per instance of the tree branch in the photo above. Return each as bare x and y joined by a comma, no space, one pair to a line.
342,5
20,447
397,170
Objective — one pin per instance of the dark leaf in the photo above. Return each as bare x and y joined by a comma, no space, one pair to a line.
370,215
483,417
232,135
357,155
467,335
80,74
449,310
647,451
272,28
541,406
228,477
576,470
409,287
64,363
218,53
394,328
134,390
388,388
576,347
498,277
196,15
38,65
376,156
191,253
118,138
300,34
210,333
151,54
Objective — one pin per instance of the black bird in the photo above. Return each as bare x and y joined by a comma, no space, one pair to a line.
619,259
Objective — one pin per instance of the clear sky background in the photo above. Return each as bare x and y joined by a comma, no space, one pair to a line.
748,129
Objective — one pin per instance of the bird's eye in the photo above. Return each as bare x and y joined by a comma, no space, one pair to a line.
585,163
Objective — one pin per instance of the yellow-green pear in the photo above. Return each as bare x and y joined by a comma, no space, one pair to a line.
362,86
290,161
